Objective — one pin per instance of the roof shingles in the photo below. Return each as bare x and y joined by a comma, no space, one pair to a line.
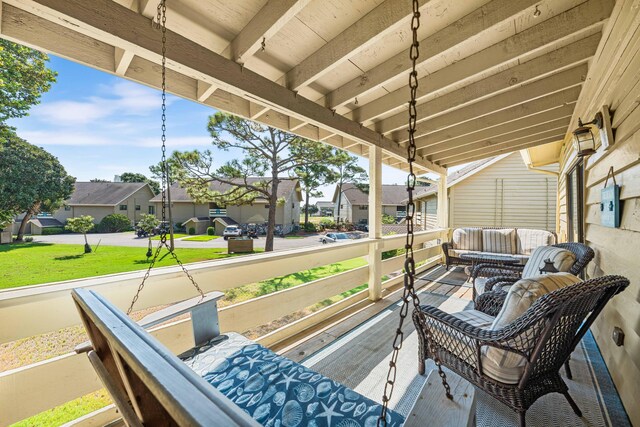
102,193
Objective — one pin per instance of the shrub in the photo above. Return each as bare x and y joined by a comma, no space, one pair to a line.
328,223
309,227
211,231
114,223
192,231
28,239
52,230
388,219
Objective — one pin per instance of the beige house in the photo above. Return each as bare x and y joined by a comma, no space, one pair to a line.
354,202
203,215
501,191
97,199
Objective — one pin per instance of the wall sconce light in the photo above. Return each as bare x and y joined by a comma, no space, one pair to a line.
583,138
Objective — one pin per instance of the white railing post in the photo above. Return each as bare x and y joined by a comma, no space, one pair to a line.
443,202
375,223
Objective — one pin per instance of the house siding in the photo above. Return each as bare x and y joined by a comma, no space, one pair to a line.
505,194
613,81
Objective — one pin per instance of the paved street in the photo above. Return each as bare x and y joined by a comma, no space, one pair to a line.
129,239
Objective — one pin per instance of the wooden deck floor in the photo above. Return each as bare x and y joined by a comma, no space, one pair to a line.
314,339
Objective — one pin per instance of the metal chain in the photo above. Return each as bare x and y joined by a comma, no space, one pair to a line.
162,22
409,293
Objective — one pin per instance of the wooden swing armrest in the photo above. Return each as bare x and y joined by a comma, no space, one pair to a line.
204,316
183,307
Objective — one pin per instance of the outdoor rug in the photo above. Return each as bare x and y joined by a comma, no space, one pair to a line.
359,360
455,276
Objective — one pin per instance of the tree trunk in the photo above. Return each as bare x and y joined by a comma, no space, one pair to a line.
339,201
271,221
87,248
25,220
306,209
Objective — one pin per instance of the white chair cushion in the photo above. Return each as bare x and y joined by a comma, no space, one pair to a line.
562,260
467,239
528,240
500,241
504,364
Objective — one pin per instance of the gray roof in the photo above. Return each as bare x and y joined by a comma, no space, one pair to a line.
225,220
179,194
197,219
46,222
456,176
392,194
102,193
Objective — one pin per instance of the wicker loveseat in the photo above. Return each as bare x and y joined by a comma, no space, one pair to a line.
516,242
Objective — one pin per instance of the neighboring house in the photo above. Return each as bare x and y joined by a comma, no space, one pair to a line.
325,208
496,192
354,203
5,234
202,215
97,199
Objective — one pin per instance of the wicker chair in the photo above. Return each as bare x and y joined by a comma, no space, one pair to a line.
509,274
545,335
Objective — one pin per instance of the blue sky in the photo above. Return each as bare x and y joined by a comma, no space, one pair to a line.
100,125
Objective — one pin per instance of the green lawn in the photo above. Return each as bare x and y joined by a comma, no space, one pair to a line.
315,219
69,411
33,263
175,236
204,238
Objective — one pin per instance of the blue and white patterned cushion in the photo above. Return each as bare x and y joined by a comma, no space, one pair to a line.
278,392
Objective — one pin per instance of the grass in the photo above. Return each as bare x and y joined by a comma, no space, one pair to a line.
294,237
69,411
204,238
175,236
35,263
315,219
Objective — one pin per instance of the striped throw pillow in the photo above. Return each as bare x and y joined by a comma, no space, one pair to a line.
528,240
520,297
562,259
501,241
469,239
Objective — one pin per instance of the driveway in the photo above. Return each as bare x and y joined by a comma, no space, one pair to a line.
129,239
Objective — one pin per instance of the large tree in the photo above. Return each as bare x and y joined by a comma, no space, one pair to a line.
314,175
138,177
24,76
347,170
269,153
31,179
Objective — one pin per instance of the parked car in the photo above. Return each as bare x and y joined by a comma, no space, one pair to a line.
231,231
334,237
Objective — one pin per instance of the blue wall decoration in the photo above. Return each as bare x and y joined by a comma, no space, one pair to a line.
610,202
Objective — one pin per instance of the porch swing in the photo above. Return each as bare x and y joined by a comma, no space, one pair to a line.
228,380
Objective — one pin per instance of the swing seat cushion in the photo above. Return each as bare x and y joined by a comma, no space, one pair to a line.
276,391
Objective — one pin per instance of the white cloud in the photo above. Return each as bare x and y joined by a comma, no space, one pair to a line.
52,137
175,142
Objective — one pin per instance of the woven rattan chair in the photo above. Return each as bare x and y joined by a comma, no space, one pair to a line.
509,274
545,335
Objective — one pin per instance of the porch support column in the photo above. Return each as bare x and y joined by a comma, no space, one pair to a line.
375,223
443,202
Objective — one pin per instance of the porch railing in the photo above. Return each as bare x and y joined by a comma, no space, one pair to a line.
215,213
34,310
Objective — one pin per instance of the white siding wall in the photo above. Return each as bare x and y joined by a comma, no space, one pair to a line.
505,194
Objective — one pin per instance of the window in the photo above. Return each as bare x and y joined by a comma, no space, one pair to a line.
575,201
152,210
137,207
363,207
123,207
266,206
67,207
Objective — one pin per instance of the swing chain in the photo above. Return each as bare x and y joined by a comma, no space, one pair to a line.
409,293
162,22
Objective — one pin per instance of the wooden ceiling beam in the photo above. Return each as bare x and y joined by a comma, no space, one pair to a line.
363,33
433,148
108,22
580,19
122,61
486,123
265,24
533,131
471,25
510,79
508,149
571,78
